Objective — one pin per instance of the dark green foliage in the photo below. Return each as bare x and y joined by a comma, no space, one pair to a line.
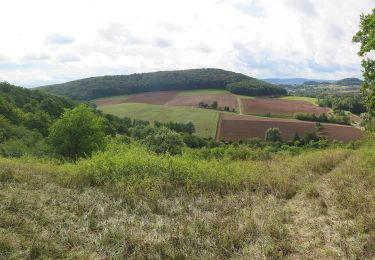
323,118
177,127
273,135
255,87
79,132
194,141
352,103
25,116
214,105
366,37
308,137
165,141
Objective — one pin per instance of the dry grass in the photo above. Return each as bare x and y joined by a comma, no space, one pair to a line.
274,216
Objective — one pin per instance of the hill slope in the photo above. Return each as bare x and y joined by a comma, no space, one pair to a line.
25,116
97,87
349,82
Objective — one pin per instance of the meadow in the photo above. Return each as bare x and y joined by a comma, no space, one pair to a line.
205,120
307,99
126,202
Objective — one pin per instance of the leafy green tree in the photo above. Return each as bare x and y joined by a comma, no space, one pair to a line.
79,132
366,37
190,128
273,135
165,141
214,105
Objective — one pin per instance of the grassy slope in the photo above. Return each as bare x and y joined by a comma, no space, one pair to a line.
205,120
283,208
307,99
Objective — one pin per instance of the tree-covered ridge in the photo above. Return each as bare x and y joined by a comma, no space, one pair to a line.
25,116
97,87
32,109
255,87
349,82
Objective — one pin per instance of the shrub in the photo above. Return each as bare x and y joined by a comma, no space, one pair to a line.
273,135
165,141
79,132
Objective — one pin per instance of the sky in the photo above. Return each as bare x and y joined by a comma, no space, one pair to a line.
52,41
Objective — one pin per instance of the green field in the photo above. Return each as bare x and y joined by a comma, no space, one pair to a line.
196,92
307,99
205,120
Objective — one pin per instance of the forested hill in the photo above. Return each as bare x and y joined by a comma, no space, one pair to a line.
349,82
26,115
96,87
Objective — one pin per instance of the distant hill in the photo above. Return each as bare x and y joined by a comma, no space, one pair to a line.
97,87
349,82
315,82
293,81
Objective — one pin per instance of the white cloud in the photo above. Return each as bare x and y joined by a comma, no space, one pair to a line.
59,39
55,41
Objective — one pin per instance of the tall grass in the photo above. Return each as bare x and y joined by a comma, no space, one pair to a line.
136,171
354,184
129,203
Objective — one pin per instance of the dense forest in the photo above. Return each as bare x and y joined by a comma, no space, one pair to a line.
255,87
25,116
97,87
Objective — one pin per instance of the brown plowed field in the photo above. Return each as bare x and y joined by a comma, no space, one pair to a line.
280,106
155,98
110,102
232,127
223,100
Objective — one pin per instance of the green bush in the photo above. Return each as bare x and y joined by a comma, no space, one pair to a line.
165,141
79,132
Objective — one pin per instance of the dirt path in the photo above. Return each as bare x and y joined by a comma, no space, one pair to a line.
239,105
315,223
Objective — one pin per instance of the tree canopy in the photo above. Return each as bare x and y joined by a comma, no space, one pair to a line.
366,37
79,132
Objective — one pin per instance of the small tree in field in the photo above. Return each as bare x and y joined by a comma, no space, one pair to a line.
79,132
273,135
165,141
214,105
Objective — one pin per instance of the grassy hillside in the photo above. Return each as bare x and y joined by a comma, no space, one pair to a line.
205,120
307,99
129,203
97,87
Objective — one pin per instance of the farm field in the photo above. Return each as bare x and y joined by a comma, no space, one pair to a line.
224,100
205,120
274,106
175,106
155,98
111,100
307,99
189,98
234,127
188,93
